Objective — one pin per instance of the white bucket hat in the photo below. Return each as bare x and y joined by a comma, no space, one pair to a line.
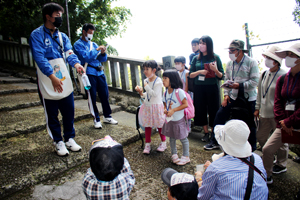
295,48
271,53
233,137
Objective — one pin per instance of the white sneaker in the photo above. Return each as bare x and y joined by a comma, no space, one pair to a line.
109,120
97,124
184,160
162,147
61,149
147,149
71,144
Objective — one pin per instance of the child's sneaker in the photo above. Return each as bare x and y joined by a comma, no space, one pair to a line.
183,160
162,147
72,145
175,158
61,149
147,148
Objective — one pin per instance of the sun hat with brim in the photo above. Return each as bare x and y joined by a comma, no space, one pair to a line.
171,177
295,48
271,53
238,44
233,137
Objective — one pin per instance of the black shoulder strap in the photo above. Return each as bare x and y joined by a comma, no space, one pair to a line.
281,81
263,75
250,180
254,167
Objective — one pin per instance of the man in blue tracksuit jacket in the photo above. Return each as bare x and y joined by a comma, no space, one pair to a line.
45,46
89,52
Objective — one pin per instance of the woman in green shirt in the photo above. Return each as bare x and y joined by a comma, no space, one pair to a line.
206,69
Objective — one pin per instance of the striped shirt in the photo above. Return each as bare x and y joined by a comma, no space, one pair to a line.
119,188
246,72
226,178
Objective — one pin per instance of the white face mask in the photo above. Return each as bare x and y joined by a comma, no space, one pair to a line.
178,67
232,56
290,62
269,63
89,37
202,48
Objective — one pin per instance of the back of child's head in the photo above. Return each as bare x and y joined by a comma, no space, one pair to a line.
185,191
106,159
180,59
182,186
195,41
151,64
174,78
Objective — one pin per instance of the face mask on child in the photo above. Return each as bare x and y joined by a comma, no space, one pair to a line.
178,67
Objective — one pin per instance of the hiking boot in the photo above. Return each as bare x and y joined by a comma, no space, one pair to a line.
205,137
98,125
109,120
277,169
162,147
183,160
211,146
269,180
147,149
61,149
72,145
175,158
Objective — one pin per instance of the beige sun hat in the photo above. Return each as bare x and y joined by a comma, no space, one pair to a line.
271,53
295,48
233,137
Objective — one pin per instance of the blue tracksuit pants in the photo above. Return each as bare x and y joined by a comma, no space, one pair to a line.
98,84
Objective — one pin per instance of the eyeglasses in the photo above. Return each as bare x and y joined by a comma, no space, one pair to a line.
232,50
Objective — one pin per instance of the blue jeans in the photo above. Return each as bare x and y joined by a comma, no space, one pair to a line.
223,115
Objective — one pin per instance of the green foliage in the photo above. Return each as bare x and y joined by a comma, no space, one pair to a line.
18,18
148,58
296,12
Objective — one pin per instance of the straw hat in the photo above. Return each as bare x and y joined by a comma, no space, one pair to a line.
233,137
295,48
271,53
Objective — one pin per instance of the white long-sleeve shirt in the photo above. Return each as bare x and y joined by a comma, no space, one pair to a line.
154,93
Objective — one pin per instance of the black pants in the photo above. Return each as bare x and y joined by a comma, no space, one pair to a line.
223,116
206,101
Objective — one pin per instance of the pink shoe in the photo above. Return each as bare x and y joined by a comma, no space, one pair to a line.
175,158
162,147
183,160
147,149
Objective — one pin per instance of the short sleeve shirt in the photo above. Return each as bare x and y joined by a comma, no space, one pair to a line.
168,98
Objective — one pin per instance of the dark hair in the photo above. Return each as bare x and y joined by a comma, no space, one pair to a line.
174,77
195,41
88,26
152,64
209,45
180,59
107,163
185,191
50,8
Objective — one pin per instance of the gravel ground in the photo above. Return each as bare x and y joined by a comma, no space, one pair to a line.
147,170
